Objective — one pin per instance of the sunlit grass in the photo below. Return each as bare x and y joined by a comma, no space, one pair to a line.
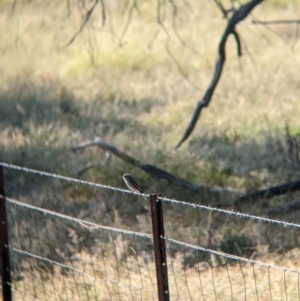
129,91
233,282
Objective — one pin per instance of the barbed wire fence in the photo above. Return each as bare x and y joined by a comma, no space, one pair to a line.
54,256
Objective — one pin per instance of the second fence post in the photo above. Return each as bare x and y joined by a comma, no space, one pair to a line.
159,248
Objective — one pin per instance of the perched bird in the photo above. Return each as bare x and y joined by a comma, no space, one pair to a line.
132,184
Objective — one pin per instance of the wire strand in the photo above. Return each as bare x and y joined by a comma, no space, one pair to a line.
173,201
234,257
86,224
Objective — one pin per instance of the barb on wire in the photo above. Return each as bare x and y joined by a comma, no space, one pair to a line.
232,212
68,179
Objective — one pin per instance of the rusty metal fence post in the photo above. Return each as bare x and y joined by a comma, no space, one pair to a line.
159,248
4,246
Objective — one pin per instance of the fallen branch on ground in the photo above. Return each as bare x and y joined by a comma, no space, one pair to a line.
208,192
269,193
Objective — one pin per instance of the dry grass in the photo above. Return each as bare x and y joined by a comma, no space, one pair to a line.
135,280
130,92
102,264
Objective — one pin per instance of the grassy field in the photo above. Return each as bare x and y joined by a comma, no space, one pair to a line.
135,83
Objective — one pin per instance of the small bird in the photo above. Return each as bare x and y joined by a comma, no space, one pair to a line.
132,184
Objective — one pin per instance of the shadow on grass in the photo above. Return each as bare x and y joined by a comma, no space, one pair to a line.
40,124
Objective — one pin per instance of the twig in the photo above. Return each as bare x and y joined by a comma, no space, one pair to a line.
85,21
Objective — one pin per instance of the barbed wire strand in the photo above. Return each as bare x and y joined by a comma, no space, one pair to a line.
65,178
232,212
173,201
230,256
89,225
45,259
174,241
94,226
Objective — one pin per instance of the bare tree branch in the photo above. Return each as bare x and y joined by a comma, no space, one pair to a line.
107,147
237,17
